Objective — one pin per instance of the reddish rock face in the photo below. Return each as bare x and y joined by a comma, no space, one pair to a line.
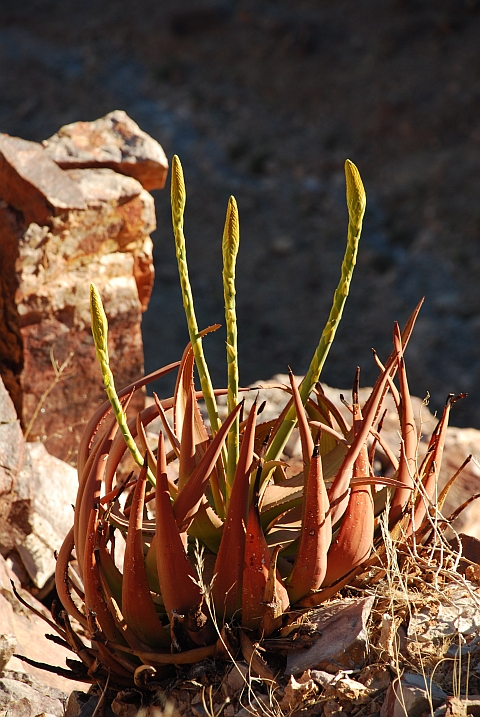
114,141
61,229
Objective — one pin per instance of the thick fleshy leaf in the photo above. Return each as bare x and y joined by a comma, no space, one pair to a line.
257,567
137,604
94,597
430,469
338,493
306,439
407,469
354,541
188,499
180,592
227,586
310,565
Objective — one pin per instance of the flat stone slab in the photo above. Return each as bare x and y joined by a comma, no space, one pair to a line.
32,183
341,643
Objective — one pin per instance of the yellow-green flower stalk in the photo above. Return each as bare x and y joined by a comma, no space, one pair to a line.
230,244
100,337
356,203
178,198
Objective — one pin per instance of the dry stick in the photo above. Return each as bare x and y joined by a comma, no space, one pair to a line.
58,370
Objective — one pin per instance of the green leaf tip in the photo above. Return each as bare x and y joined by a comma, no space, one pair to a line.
99,323
356,197
178,191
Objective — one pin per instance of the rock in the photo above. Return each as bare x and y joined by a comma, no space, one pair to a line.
12,458
457,614
410,695
342,639
458,707
8,644
62,229
32,183
50,514
22,700
29,631
236,679
114,141
34,519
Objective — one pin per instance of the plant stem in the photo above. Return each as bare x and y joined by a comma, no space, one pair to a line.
356,202
178,199
100,337
230,244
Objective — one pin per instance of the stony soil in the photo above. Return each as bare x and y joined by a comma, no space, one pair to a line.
265,100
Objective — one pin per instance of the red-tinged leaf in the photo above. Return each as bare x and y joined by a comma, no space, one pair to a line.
137,604
275,598
94,597
227,586
89,492
187,462
256,568
330,407
433,462
391,365
144,446
175,574
355,538
172,437
109,571
105,408
182,389
207,527
62,581
338,493
310,565
354,541
407,469
188,499
306,439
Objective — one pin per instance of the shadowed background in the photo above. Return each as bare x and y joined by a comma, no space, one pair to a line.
265,100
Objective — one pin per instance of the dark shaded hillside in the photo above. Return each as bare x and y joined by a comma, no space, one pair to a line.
265,100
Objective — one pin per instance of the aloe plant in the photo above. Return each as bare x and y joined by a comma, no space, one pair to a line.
274,542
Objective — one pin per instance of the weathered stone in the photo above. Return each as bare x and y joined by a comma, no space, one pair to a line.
21,699
458,707
411,696
114,141
61,230
457,614
50,512
8,644
32,183
29,630
12,456
109,244
342,639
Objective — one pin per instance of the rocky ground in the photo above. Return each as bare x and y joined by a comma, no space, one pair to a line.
265,100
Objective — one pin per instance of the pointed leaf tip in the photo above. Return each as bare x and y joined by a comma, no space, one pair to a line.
356,197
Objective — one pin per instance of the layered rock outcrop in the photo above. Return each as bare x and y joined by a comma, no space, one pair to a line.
69,215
